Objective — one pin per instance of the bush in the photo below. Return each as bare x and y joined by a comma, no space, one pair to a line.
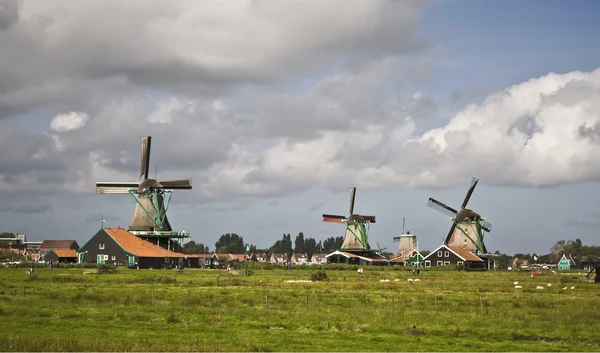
107,269
318,276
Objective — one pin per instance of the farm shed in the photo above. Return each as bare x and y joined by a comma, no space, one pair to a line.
61,255
453,255
119,247
48,245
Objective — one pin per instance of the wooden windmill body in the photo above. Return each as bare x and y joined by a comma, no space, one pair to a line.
356,240
468,227
152,198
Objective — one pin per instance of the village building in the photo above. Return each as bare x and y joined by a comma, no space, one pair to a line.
300,259
566,263
318,259
259,257
279,259
590,263
412,258
61,255
453,255
119,247
350,258
48,245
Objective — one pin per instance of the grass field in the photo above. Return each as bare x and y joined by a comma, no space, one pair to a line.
162,310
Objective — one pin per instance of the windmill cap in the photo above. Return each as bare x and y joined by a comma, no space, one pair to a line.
149,184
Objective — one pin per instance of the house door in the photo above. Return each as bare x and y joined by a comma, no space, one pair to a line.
131,261
100,259
80,257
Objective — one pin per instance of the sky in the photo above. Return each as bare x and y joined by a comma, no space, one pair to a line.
276,109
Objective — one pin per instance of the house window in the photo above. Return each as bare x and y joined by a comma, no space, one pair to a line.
427,263
439,263
460,263
439,253
446,254
105,257
101,246
446,262
113,258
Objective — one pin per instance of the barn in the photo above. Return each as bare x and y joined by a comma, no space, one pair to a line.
61,255
48,245
117,246
453,255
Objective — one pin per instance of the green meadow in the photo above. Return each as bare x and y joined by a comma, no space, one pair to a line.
215,310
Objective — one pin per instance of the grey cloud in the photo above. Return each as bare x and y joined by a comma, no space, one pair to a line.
96,217
592,220
36,207
9,14
316,206
589,132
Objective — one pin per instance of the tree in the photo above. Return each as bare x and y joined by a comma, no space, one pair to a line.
299,244
332,243
192,247
310,246
233,243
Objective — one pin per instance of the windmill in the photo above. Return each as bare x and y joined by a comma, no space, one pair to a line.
150,217
357,227
408,242
467,227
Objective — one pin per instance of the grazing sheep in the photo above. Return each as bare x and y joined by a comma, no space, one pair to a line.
384,280
539,287
518,287
516,283
417,280
397,279
410,280
549,284
565,288
572,287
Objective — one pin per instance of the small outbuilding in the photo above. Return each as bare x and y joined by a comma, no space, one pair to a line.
61,255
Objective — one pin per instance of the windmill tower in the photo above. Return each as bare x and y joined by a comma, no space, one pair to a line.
357,227
408,242
150,220
468,226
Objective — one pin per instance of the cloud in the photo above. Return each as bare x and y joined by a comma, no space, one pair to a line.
592,220
63,53
68,121
35,207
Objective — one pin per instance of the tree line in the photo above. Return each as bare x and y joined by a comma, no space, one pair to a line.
234,244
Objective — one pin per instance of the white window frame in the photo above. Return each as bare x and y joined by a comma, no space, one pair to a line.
446,253
440,253
105,257
427,263
439,263
460,263
113,258
101,246
446,263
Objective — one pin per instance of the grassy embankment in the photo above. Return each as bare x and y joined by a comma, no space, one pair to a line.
161,310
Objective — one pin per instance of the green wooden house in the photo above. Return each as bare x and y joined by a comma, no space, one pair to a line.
564,263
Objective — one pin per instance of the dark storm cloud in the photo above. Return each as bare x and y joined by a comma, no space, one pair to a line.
9,14
35,207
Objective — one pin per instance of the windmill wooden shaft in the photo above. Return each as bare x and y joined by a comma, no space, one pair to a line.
407,244
152,199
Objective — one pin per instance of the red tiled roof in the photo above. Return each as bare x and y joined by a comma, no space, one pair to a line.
138,246
57,244
239,257
465,254
65,253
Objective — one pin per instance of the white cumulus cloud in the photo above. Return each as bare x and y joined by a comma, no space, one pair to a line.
69,121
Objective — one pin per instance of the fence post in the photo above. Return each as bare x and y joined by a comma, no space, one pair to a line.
307,300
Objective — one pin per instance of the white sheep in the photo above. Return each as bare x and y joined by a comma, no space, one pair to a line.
397,279
572,287
384,280
539,287
417,280
516,283
565,288
518,287
549,284
410,280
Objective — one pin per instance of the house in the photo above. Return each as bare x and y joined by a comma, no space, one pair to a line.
47,245
299,259
453,255
279,259
351,258
590,263
119,247
61,255
318,259
238,258
565,263
411,258
259,257
516,263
